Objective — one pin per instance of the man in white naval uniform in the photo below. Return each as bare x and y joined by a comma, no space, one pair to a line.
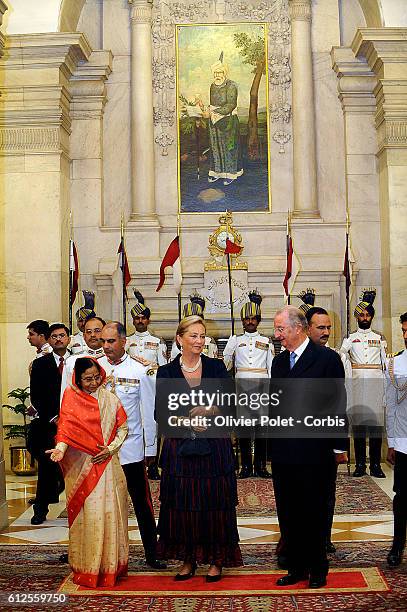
150,350
252,355
396,424
127,379
196,306
366,350
142,343
92,348
77,343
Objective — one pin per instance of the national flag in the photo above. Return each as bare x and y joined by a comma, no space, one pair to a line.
172,258
232,248
292,267
346,267
121,276
73,270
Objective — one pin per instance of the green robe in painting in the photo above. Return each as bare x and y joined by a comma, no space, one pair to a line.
224,132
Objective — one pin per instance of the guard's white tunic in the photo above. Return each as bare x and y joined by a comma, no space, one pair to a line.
128,380
77,343
253,355
143,344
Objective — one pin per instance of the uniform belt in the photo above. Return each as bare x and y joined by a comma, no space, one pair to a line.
259,370
366,366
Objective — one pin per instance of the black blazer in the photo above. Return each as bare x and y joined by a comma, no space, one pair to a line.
45,387
214,378
308,396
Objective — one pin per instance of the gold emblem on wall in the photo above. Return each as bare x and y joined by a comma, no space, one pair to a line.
217,245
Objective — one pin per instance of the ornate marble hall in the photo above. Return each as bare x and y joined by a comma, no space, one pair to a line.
101,119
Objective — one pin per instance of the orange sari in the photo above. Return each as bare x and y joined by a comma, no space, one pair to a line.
96,493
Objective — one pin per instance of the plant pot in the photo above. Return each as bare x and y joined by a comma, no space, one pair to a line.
22,463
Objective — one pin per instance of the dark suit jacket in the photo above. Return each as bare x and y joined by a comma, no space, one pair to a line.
45,389
304,394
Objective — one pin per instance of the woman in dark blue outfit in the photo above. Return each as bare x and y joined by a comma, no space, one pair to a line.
198,491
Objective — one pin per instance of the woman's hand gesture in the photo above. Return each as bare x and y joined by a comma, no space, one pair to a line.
55,454
102,456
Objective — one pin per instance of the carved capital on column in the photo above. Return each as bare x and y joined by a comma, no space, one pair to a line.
300,10
141,11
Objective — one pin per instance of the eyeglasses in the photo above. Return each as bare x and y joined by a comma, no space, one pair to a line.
59,336
89,379
97,330
279,329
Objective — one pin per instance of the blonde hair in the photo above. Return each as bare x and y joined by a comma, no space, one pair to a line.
186,323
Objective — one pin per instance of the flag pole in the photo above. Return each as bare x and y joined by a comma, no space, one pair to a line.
232,317
288,248
347,281
179,242
123,273
71,257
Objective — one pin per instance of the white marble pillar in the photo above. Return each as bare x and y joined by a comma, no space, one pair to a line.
304,155
142,126
385,50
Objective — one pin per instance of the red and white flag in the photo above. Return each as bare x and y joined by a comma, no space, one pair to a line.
172,258
73,270
121,276
292,266
232,248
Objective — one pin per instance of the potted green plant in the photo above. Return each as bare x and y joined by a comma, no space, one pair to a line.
21,461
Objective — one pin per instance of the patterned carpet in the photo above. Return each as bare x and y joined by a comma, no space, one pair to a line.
37,569
256,497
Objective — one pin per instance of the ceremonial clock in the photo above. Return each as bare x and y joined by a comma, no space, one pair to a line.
217,245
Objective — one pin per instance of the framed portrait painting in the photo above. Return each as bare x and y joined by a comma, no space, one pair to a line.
223,131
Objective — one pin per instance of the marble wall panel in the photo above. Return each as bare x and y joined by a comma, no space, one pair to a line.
362,164
365,243
13,297
86,198
117,154
329,141
44,295
325,25
90,23
120,69
116,26
86,168
363,197
85,139
40,162
361,135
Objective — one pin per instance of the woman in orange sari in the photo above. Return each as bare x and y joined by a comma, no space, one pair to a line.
91,428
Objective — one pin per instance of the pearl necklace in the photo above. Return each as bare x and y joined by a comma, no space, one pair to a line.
193,369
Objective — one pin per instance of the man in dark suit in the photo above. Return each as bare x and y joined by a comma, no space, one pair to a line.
45,388
304,456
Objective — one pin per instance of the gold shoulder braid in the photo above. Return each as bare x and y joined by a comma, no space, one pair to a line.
399,388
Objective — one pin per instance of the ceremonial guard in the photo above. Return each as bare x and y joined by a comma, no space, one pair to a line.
128,379
396,422
252,355
366,350
196,306
78,344
142,343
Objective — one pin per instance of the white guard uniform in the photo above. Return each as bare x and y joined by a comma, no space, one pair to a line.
210,349
143,344
77,343
396,402
128,380
253,355
70,364
347,366
366,351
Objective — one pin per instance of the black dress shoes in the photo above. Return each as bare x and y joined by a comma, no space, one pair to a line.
360,470
316,582
214,578
376,471
395,556
246,472
291,579
330,548
37,519
261,473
